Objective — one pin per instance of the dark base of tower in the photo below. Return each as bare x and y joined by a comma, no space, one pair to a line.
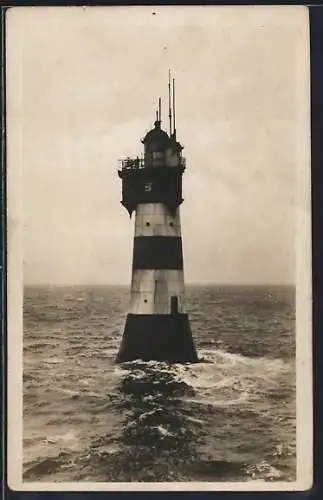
159,337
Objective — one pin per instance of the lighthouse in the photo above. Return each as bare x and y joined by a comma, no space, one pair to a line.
157,325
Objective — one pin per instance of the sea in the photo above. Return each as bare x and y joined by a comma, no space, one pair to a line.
230,417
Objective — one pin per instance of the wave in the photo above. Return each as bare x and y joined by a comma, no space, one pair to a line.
152,421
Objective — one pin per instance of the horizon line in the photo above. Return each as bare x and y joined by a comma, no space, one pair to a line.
128,284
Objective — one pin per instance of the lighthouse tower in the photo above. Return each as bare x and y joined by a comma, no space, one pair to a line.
157,326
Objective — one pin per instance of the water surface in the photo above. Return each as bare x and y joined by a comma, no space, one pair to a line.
229,418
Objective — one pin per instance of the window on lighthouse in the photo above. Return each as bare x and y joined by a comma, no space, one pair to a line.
158,159
174,304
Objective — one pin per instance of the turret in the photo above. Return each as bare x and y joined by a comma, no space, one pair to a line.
158,176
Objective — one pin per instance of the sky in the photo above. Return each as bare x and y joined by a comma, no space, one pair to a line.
90,79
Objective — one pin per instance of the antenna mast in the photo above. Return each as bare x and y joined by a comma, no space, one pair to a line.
169,104
159,107
174,123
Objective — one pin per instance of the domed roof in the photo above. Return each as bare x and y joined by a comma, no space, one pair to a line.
156,139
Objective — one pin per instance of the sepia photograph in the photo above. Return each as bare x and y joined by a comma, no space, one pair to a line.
159,252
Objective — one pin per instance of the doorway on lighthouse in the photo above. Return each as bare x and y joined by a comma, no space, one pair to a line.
174,304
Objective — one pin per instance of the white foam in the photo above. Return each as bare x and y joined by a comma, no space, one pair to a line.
163,431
